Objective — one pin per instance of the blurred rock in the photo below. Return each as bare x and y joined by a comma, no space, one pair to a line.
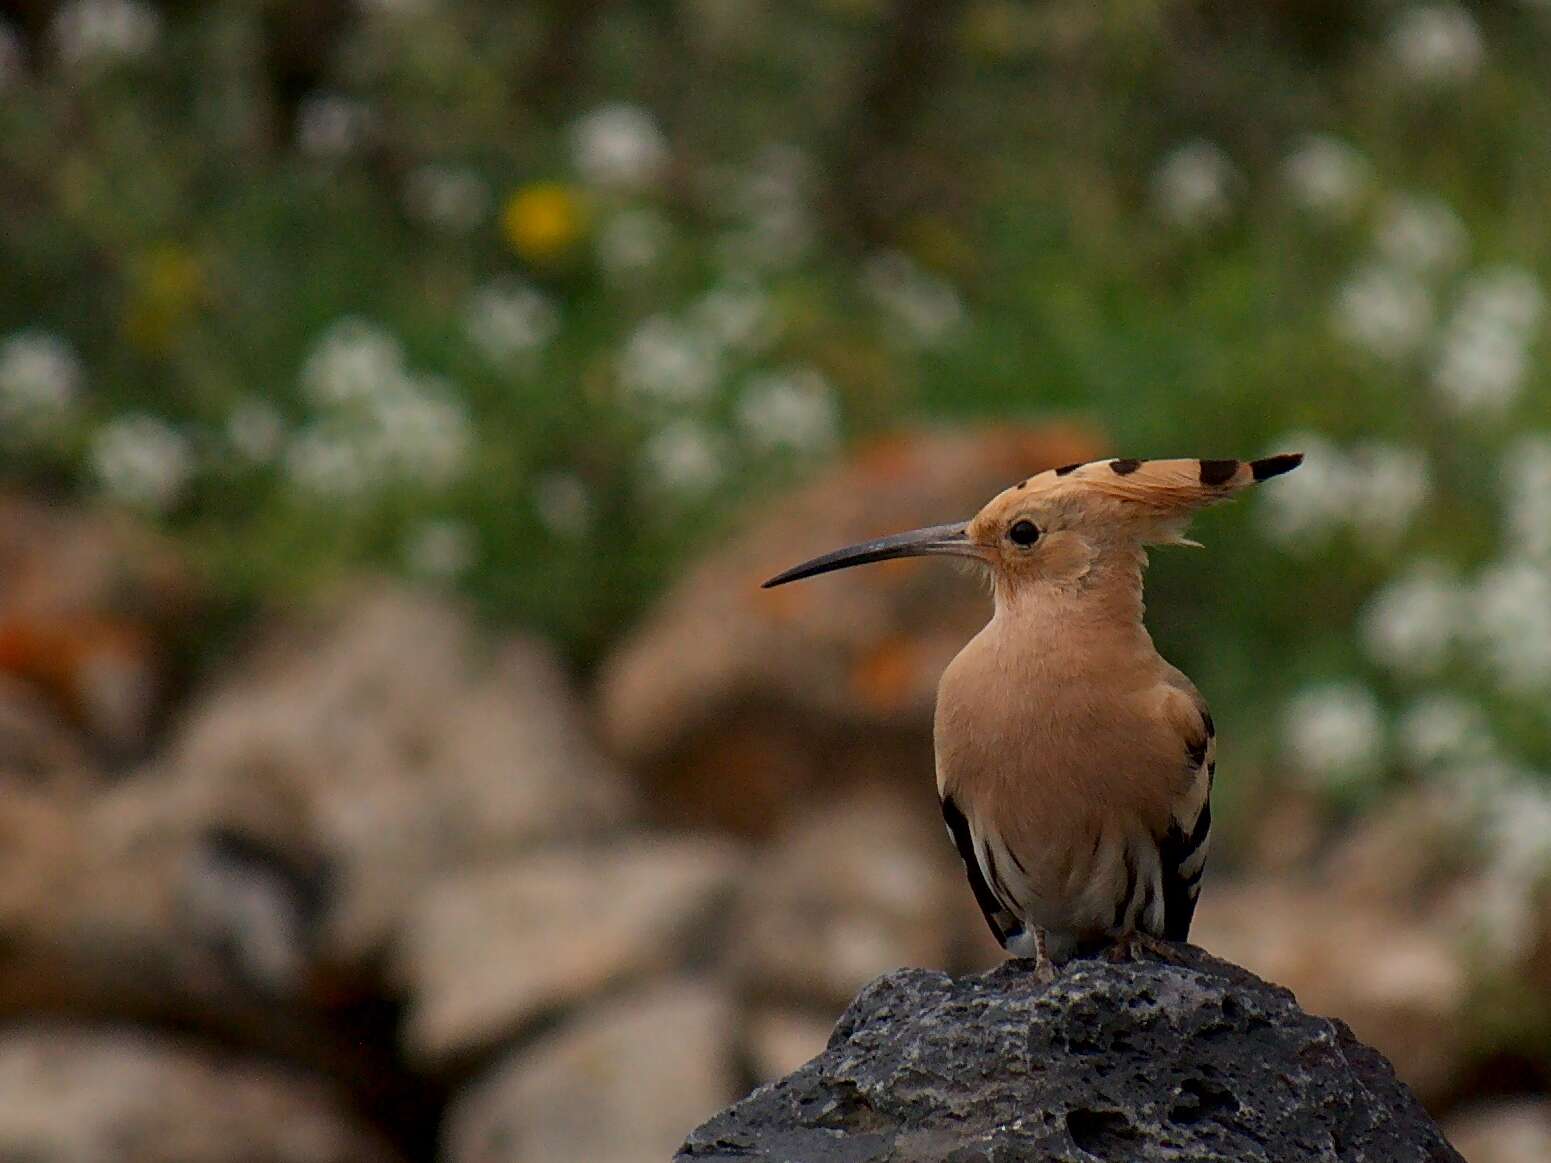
1400,981
487,951
37,745
102,917
132,1097
379,737
779,1039
1284,833
1409,855
1503,1132
91,607
852,889
623,1083
250,884
739,702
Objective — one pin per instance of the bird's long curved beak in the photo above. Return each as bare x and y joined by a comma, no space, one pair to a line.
936,539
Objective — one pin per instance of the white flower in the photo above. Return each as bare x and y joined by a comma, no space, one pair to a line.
927,309
1517,834
1480,370
354,361
13,61
142,460
685,458
40,379
1335,732
1308,505
440,550
507,320
772,200
780,172
99,32
1376,490
1525,475
330,126
737,315
664,362
793,410
397,9
256,431
1326,175
381,421
1436,44
620,147
420,434
1421,233
1512,609
1444,729
1192,187
632,241
1391,484
451,199
1522,825
1385,310
328,461
563,503
1510,296
1485,354
1409,625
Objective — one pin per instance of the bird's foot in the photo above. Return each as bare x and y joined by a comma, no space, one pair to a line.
1044,971
1158,948
1133,947
1125,949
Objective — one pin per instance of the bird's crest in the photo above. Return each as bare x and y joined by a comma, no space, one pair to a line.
1152,499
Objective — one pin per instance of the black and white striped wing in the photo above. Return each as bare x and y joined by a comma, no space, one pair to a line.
1182,850
990,893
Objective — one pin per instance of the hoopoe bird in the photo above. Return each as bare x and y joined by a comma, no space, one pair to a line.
1074,764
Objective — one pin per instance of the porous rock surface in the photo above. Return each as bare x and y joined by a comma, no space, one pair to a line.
1193,1060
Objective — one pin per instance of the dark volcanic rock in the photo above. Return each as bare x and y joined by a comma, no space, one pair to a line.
1195,1061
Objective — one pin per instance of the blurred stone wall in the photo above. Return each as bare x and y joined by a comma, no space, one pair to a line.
386,884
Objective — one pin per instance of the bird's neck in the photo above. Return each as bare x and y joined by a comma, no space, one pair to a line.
1103,602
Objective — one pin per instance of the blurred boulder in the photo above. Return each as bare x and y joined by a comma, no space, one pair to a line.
381,738
92,608
780,1038
38,746
622,1083
1377,933
132,1097
739,703
852,889
105,915
251,883
1517,1131
1400,981
487,951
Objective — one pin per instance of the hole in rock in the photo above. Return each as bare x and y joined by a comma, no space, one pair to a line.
1101,1132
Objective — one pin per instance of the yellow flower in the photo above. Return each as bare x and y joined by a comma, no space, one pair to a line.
542,221
166,285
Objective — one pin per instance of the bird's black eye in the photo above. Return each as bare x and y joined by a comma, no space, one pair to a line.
1023,533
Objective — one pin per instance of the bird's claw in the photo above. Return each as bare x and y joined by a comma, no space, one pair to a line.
1139,946
1125,949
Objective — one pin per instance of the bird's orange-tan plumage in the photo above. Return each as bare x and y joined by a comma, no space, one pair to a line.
1074,764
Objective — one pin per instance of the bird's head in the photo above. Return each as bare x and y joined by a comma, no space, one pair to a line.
1056,524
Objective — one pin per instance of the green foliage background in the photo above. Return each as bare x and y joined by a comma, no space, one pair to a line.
161,218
